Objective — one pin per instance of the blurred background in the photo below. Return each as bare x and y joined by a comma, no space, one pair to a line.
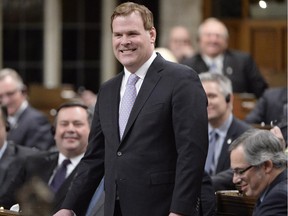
55,43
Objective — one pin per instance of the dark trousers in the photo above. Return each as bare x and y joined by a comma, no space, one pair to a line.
117,210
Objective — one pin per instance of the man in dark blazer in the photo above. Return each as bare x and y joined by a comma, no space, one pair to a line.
214,56
72,126
218,89
28,126
271,109
156,167
259,165
9,153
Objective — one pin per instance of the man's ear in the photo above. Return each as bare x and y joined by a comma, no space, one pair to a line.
268,166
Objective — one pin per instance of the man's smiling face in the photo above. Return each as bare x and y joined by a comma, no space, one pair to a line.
132,44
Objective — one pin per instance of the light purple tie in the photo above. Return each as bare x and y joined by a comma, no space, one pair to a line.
127,102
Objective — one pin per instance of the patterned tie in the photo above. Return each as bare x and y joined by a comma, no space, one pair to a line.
210,165
59,176
127,102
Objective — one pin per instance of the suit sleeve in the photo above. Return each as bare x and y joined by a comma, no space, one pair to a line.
189,105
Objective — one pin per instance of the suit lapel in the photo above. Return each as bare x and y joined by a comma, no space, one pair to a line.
150,81
114,108
224,155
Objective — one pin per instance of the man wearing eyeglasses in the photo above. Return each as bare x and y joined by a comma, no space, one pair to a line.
259,165
28,127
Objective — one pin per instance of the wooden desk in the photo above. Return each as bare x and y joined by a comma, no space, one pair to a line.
243,104
231,203
4,212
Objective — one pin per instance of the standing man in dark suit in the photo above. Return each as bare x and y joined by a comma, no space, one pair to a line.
222,123
9,153
260,170
28,127
71,130
155,167
214,56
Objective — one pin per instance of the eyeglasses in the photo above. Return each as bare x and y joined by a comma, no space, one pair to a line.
240,172
8,94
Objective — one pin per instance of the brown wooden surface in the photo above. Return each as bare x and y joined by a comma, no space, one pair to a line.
243,104
4,212
233,203
47,99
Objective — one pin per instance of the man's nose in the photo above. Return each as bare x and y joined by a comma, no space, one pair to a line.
236,179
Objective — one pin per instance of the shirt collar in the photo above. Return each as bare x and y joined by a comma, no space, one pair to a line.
142,71
21,109
217,60
74,160
222,130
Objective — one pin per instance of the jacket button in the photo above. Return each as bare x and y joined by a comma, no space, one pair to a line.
119,153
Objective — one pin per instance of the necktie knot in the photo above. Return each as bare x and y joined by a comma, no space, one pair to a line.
133,78
214,135
65,162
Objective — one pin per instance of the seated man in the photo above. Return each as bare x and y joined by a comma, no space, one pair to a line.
223,127
28,126
215,56
271,109
259,165
72,127
9,153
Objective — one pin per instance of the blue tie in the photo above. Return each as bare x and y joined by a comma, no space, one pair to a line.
213,67
127,102
210,165
59,176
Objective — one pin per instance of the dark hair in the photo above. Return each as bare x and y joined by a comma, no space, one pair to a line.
68,105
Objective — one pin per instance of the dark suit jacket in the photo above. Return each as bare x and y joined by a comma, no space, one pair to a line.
9,165
208,199
42,166
275,200
158,165
270,108
32,130
239,67
237,127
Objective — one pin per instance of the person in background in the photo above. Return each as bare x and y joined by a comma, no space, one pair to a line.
88,97
271,110
215,57
28,126
71,129
223,127
153,157
259,165
9,153
180,43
